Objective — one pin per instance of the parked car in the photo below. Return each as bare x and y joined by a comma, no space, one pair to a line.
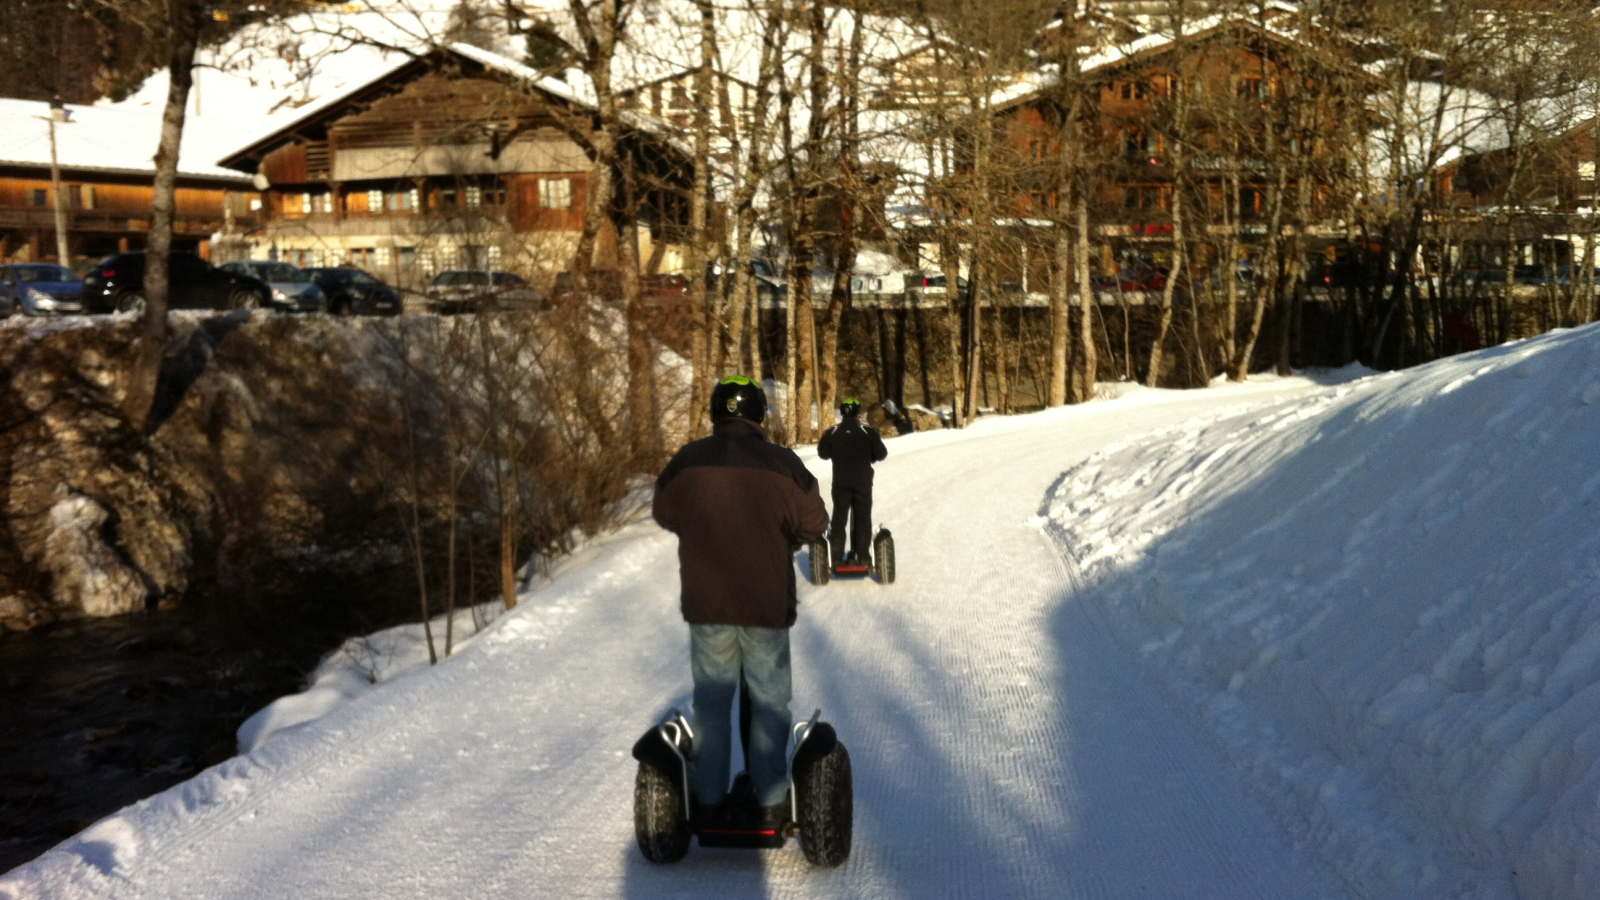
1134,278
40,289
469,290
354,292
292,287
116,284
658,287
930,283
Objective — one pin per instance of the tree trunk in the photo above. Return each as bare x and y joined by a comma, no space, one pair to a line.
1085,299
1157,346
704,332
149,346
645,424
1060,320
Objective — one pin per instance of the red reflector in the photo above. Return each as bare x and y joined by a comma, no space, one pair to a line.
109,273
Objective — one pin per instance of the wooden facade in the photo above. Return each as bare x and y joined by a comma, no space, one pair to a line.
1228,77
110,212
441,164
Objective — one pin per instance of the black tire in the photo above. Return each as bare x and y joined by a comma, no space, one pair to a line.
821,563
658,821
883,559
244,298
130,301
825,795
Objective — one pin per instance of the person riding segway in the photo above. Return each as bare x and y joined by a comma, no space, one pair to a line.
741,507
854,447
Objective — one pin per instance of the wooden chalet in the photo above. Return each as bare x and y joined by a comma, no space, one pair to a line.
459,159
1222,71
107,178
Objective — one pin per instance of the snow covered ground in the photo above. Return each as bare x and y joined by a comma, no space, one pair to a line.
1281,640
1381,600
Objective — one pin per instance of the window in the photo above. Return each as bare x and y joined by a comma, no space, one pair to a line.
255,204
39,197
1135,90
374,201
403,201
555,193
85,196
1144,198
380,256
1197,88
1250,203
1249,87
1586,170
408,256
1139,145
305,204
492,256
680,97
474,197
425,258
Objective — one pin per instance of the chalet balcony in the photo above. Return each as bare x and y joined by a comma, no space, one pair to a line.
362,225
113,221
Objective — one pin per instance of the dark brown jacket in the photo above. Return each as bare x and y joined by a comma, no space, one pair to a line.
740,507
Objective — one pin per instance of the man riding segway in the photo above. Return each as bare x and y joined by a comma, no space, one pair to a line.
853,446
740,506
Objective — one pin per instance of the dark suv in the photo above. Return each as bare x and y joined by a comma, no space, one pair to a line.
116,284
354,292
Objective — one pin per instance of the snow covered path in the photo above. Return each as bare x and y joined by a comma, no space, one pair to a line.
1005,745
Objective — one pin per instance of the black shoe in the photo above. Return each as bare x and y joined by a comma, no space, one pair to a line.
702,816
774,817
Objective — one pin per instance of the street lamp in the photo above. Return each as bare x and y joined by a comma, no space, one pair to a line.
59,113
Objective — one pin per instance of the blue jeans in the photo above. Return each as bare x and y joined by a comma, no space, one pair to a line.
717,655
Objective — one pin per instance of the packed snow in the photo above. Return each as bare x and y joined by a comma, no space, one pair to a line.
1311,637
1381,600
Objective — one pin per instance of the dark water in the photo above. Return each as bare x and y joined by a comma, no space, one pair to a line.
97,714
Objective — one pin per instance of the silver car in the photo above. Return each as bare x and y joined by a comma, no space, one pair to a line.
292,288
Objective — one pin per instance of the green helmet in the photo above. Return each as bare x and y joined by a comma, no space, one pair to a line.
850,407
738,396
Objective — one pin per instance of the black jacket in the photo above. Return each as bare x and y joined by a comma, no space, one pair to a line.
739,506
853,447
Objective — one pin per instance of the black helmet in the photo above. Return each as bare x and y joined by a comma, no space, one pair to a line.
738,396
850,407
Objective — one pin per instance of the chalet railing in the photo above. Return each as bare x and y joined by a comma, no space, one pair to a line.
116,220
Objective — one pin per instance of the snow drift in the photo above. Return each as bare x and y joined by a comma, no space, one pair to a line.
1380,600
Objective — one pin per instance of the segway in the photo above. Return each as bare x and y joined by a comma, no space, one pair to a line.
882,567
820,810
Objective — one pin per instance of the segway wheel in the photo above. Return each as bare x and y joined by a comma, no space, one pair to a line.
824,795
883,557
658,821
821,563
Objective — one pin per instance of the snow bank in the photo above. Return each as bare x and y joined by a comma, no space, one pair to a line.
1380,600
358,666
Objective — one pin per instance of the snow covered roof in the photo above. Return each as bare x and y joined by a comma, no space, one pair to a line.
1114,55
119,139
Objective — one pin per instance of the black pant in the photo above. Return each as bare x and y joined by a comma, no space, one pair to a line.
854,504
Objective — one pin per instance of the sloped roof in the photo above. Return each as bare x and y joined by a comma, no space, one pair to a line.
114,140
